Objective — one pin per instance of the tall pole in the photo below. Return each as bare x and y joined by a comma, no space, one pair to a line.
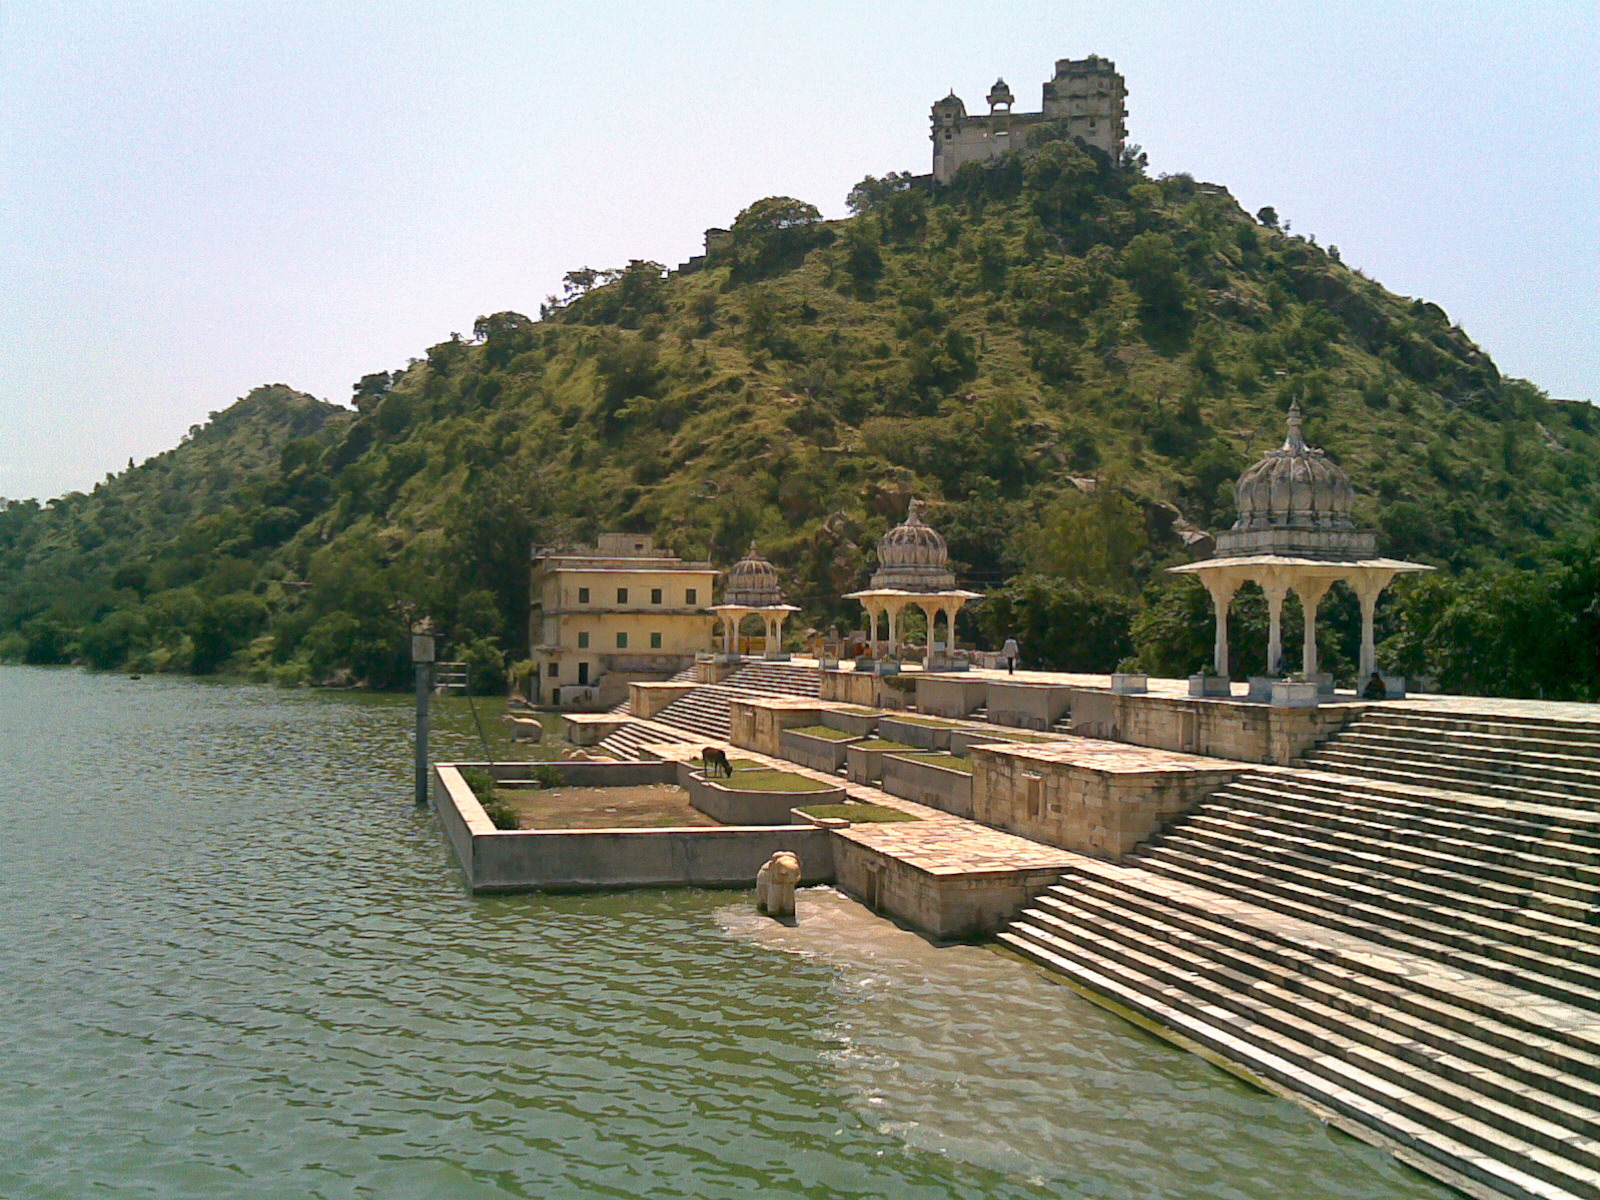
422,656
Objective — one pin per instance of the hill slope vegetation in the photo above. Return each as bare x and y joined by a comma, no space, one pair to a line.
1071,361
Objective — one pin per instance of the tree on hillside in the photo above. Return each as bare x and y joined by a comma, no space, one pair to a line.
773,234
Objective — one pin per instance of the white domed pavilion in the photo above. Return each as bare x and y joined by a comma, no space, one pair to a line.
753,590
1295,532
913,570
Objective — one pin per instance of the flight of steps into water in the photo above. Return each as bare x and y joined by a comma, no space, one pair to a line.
1406,932
704,714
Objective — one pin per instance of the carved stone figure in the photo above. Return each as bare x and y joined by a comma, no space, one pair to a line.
775,884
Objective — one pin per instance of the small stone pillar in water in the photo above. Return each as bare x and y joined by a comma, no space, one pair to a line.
775,884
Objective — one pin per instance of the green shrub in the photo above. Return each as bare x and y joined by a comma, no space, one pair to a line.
544,775
496,809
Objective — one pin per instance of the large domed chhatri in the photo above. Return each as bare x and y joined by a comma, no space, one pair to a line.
1295,532
753,582
1295,500
912,557
1295,487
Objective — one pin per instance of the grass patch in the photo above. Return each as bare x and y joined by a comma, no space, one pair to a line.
881,744
931,722
767,779
823,731
939,758
861,814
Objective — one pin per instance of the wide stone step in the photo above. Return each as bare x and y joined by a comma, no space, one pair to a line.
1481,908
1508,964
1331,759
1494,823
1248,985
1512,876
1584,766
1492,725
1517,1171
1575,824
1398,970
1350,983
1461,772
1557,866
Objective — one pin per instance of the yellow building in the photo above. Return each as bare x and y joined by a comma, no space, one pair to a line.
604,616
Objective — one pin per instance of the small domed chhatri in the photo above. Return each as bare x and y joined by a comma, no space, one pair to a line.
753,590
913,571
753,582
1296,487
913,557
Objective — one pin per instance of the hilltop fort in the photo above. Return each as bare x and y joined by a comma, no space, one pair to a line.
1086,95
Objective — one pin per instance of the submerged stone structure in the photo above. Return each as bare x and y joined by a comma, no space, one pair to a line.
1296,532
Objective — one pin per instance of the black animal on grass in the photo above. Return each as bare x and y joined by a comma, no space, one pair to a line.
712,757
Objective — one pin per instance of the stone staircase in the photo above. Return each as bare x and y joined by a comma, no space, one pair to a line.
1407,934
704,714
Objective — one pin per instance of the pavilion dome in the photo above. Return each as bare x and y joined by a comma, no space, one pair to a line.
913,557
753,582
1294,487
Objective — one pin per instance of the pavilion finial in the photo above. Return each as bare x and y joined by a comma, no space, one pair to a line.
914,512
1295,443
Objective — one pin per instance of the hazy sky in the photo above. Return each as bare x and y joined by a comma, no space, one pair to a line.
196,198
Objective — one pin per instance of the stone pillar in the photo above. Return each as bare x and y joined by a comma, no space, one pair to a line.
930,613
1276,593
1311,592
1222,591
1369,584
893,613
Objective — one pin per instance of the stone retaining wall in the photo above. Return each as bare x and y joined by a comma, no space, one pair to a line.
942,696
502,860
1028,705
944,788
818,753
733,805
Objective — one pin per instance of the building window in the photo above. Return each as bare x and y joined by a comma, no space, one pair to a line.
583,595
622,641
553,670
655,595
691,596
583,641
655,641
622,595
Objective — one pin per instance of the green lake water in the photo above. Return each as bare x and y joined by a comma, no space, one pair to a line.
237,962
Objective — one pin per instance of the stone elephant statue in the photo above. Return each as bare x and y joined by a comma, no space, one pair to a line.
775,884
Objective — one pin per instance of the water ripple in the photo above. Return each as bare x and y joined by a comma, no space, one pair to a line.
239,963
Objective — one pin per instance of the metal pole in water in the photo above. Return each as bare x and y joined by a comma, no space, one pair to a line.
422,656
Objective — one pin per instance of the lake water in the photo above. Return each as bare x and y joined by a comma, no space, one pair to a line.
237,962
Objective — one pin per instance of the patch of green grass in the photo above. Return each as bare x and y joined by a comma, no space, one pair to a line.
881,744
823,731
931,722
771,780
939,758
862,814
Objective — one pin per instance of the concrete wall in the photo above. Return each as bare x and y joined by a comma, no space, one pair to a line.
582,774
1028,705
820,754
1079,807
942,696
944,908
860,687
915,733
733,805
1257,733
865,766
590,729
962,740
758,723
583,859
859,723
647,699
938,787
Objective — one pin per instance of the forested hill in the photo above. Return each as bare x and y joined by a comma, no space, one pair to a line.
1069,360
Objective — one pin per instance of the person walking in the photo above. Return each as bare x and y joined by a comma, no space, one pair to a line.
1009,652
